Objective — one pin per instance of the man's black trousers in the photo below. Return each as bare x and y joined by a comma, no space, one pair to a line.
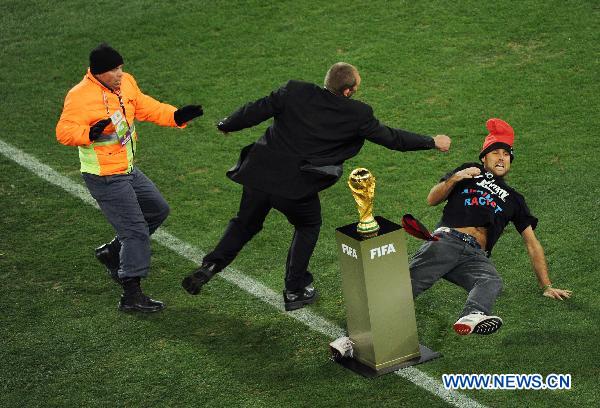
304,214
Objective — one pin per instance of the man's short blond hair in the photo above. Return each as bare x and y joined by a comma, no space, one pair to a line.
340,76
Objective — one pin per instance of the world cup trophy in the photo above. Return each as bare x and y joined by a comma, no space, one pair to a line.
380,314
362,185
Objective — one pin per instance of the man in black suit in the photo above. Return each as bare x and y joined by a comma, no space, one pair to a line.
313,132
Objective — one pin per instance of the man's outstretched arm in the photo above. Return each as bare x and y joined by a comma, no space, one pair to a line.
398,139
253,113
540,267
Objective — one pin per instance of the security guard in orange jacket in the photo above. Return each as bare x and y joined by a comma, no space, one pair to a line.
98,117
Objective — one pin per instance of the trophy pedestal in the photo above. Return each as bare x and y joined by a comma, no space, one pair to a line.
380,312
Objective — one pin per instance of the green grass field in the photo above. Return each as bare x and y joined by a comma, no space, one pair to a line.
430,67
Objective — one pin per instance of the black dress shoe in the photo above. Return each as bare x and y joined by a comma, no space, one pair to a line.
194,282
138,302
296,300
110,259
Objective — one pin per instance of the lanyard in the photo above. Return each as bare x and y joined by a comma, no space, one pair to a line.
105,100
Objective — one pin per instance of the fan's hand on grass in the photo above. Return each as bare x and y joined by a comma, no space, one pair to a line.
556,293
442,143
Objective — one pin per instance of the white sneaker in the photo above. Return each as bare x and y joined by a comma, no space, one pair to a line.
477,323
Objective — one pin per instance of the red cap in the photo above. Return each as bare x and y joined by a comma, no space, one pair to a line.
501,135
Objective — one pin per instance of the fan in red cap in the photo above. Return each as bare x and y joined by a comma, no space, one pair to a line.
501,136
478,206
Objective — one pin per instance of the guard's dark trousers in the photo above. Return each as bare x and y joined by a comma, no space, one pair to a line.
135,208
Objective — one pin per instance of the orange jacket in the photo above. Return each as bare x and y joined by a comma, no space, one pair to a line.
90,101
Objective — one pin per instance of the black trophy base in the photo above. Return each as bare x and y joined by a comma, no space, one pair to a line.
385,226
369,372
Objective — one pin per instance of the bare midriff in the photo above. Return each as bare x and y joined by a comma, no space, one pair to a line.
480,234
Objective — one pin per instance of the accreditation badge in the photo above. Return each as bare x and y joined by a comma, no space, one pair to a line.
122,129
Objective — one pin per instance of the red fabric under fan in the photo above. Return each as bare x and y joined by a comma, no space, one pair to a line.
415,228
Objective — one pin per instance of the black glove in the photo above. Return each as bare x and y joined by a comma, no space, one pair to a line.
187,113
96,130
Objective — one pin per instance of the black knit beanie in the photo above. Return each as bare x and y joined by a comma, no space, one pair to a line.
104,58
498,145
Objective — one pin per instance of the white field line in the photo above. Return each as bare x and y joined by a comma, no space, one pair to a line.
262,292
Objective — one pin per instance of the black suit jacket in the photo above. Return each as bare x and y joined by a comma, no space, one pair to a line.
313,132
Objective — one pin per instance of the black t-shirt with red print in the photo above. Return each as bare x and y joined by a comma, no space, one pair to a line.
485,201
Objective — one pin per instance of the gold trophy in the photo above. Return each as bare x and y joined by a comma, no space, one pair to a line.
362,185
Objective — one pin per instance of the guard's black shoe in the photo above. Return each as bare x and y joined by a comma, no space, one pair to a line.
194,282
138,302
296,300
109,257
134,300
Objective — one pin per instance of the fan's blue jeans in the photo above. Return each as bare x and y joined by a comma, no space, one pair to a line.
460,263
